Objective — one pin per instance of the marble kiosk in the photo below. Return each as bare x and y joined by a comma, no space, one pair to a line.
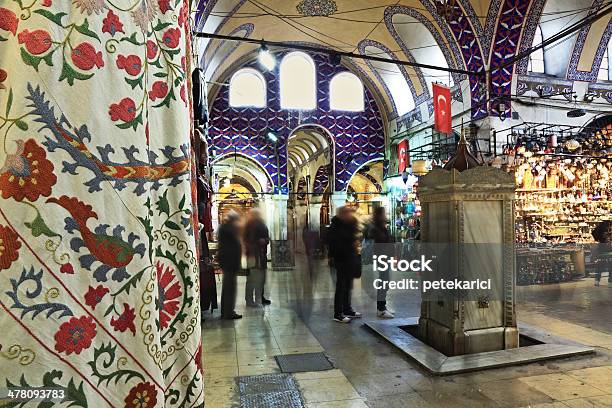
465,204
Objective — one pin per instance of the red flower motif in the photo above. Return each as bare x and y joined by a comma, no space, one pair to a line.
184,14
152,49
111,24
124,110
164,5
184,94
3,76
142,395
67,269
125,320
36,42
47,3
86,57
158,90
75,335
27,173
9,247
171,37
166,294
132,64
95,296
8,20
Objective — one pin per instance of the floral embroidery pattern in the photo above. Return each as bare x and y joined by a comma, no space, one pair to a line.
27,173
9,247
168,293
75,335
97,252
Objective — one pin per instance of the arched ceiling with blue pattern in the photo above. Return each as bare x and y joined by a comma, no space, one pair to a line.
471,34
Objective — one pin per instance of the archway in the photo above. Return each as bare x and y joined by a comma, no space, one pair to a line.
310,153
365,190
239,184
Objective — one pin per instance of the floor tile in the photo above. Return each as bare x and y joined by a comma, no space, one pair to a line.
457,396
332,389
214,360
411,400
598,377
513,393
319,375
379,385
354,403
561,386
604,401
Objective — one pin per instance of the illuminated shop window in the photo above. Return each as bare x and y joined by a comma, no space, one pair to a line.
247,89
536,58
298,82
346,93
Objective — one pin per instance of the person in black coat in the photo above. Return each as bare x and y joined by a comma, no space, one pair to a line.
378,232
343,255
256,240
229,256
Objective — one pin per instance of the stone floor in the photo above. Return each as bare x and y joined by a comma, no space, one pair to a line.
372,373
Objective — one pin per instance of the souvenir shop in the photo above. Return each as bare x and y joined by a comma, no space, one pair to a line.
562,193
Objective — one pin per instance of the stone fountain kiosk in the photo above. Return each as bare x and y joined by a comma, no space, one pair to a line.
466,205
461,208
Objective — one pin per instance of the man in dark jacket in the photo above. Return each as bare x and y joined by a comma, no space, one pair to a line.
379,235
343,255
229,256
256,240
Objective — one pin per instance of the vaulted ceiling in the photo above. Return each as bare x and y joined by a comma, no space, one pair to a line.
470,34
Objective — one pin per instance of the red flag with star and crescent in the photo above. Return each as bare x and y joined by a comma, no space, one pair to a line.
442,109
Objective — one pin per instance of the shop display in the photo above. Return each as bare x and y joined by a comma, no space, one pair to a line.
563,183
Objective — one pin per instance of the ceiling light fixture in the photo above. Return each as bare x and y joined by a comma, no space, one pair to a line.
266,59
272,137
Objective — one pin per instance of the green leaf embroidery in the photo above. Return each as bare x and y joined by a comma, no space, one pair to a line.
39,227
84,29
135,82
132,124
162,205
182,202
21,125
69,74
106,355
9,102
172,225
56,18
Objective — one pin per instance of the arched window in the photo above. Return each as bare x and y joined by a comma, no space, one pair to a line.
604,73
298,82
536,58
247,89
346,93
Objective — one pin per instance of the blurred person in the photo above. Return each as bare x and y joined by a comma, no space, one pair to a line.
602,252
229,256
256,240
344,257
377,232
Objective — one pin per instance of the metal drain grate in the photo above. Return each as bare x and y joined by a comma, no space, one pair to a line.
299,363
284,399
269,391
258,384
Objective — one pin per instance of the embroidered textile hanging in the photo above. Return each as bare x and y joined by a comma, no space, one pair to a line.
98,266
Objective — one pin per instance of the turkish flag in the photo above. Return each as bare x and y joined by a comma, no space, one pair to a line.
442,109
403,158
